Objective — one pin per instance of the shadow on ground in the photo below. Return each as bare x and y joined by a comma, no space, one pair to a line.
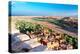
16,45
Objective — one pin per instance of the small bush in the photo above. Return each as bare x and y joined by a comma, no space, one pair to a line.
24,26
72,40
20,25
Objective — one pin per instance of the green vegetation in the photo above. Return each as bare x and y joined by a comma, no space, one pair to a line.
63,24
71,40
41,31
57,22
20,25
24,26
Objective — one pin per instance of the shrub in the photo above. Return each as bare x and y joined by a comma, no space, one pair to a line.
72,40
20,25
24,26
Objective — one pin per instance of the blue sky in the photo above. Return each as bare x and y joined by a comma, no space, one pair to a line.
42,9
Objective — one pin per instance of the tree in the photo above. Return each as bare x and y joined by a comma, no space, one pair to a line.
20,25
28,27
